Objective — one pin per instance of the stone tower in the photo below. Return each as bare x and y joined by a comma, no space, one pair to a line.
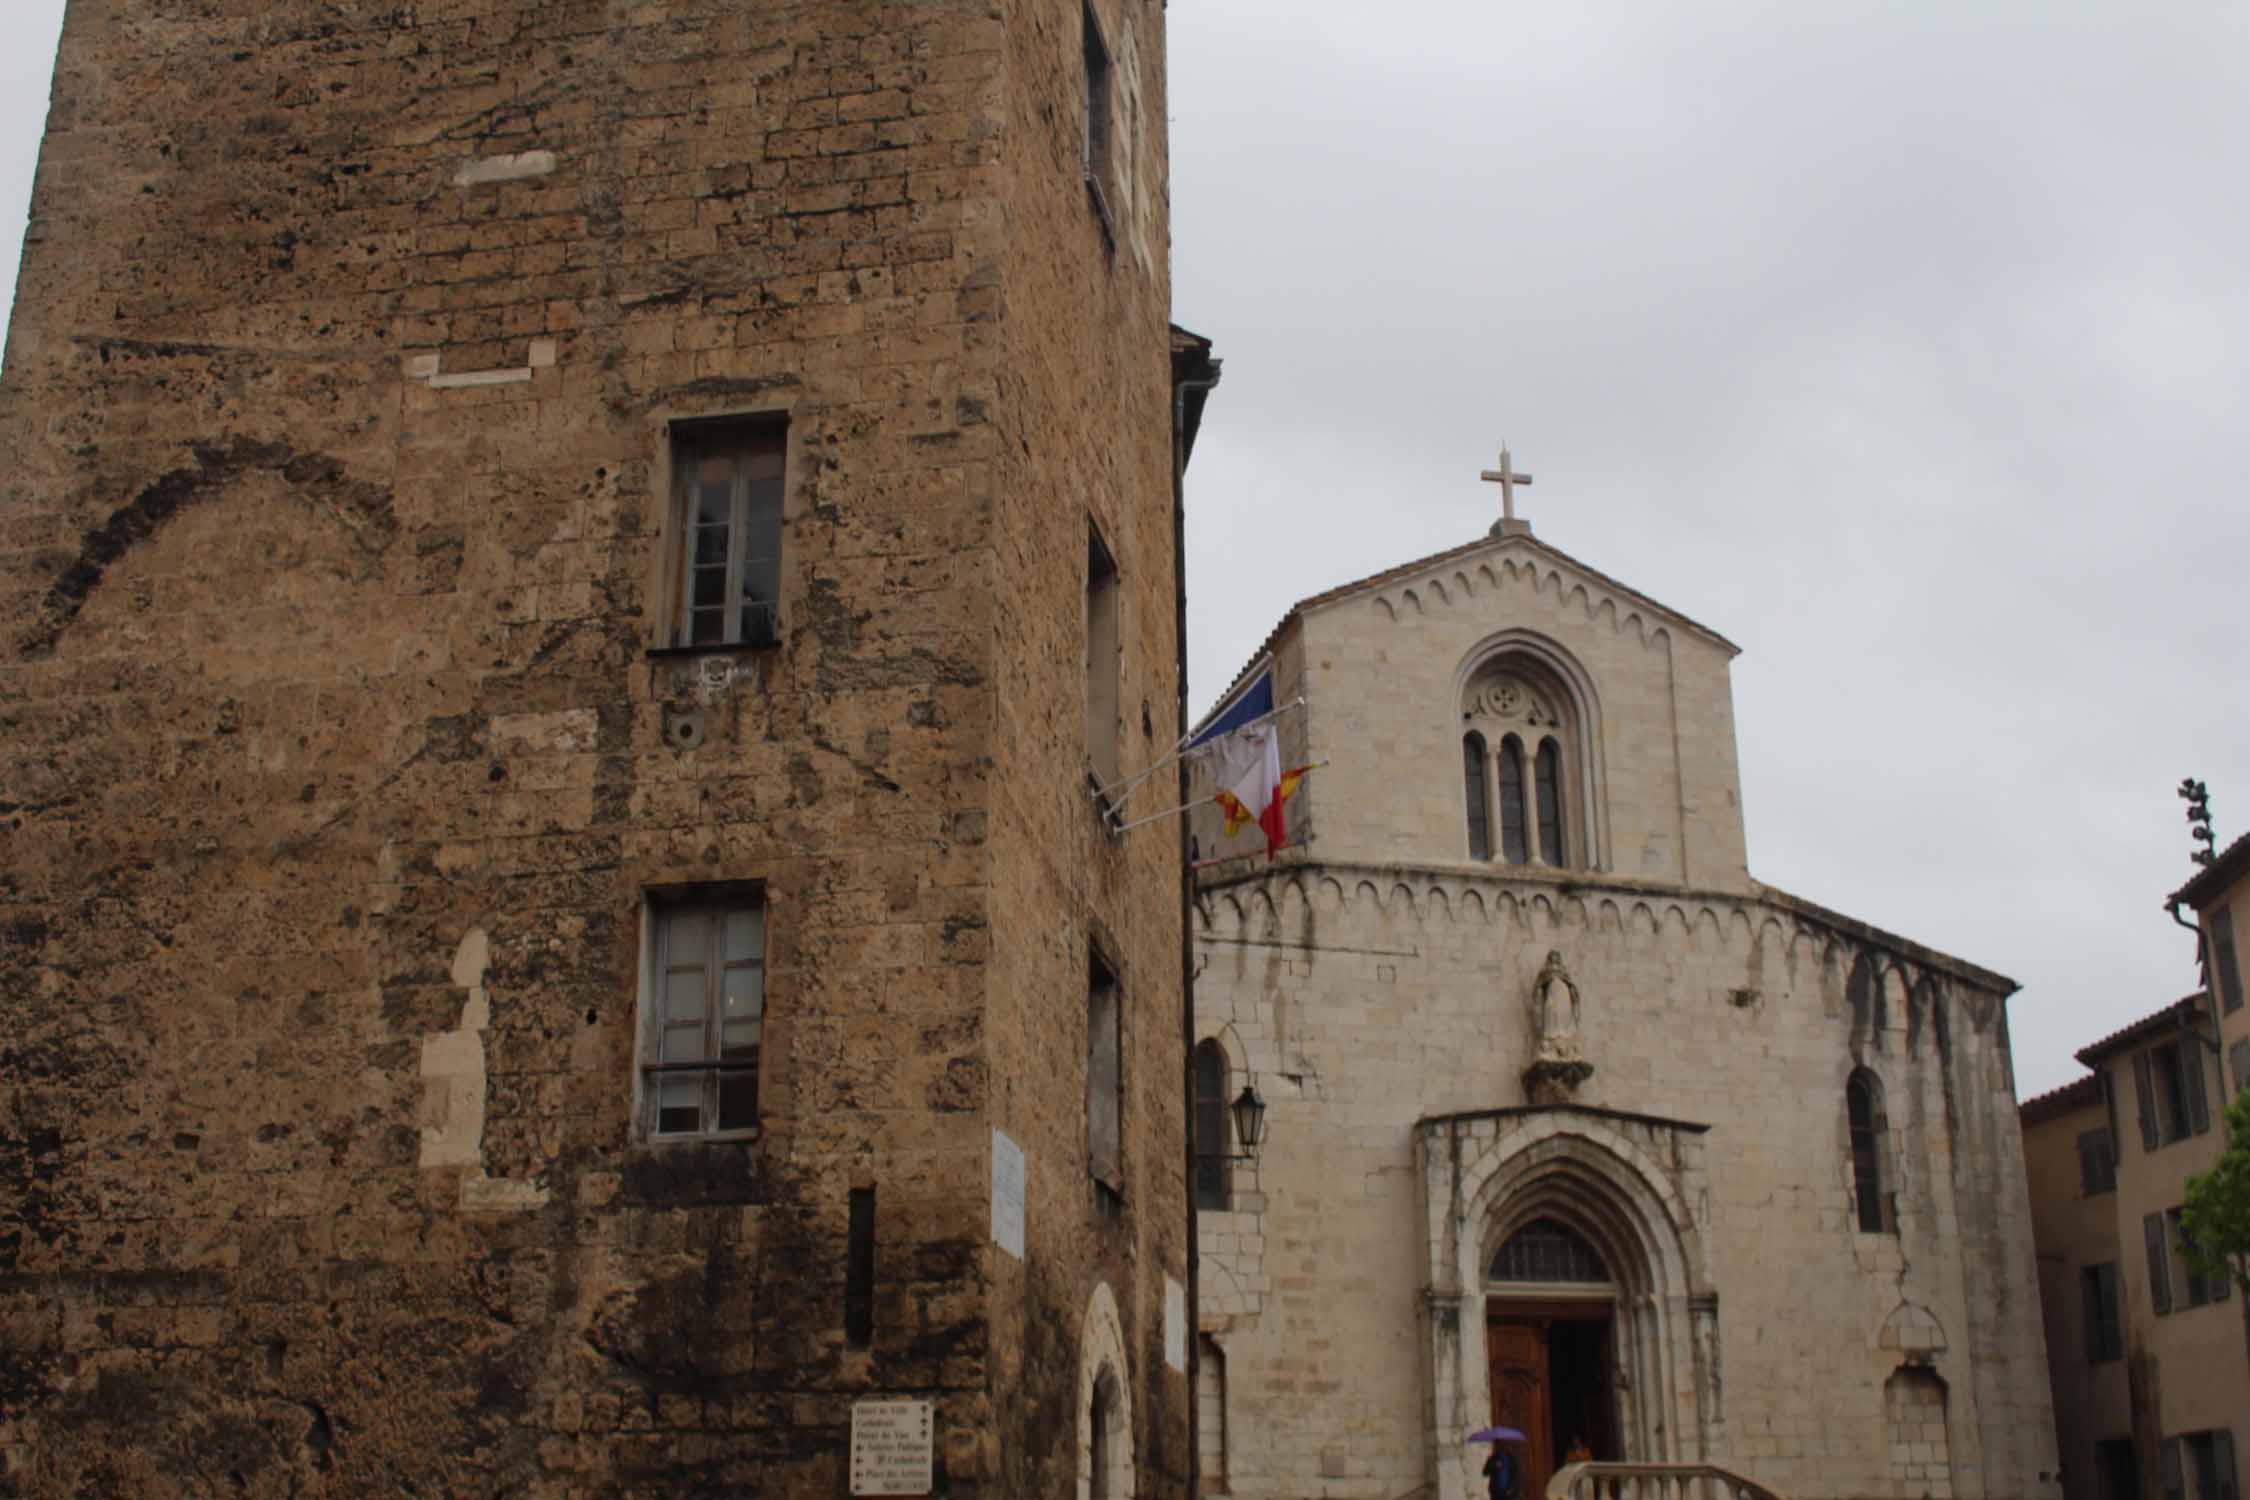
568,569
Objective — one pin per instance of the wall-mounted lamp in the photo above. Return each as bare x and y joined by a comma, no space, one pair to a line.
1249,1120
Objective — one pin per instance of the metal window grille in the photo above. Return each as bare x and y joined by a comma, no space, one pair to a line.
1545,1250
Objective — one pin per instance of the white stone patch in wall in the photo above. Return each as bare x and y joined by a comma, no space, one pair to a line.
453,1093
513,166
1007,1194
430,369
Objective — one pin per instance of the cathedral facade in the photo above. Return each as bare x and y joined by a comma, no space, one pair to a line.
1573,1125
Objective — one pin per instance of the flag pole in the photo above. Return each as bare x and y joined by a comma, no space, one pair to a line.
1173,812
1124,787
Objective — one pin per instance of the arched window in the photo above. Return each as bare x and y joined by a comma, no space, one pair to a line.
1863,1108
1472,777
1515,848
1549,777
1210,1126
1525,710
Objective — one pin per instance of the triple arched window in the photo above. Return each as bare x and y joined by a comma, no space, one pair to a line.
1522,766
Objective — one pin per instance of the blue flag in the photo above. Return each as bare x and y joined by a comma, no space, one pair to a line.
1254,702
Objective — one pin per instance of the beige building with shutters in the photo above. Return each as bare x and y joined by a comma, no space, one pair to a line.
2152,1375
1572,1122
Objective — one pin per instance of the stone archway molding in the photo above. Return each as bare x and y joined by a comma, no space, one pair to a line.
1101,1358
1633,1186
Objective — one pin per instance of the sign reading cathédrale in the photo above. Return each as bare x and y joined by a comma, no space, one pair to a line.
891,1448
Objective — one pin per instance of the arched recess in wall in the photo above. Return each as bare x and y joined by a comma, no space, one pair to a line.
1105,1403
1527,724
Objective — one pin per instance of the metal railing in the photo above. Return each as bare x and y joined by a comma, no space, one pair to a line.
1621,1481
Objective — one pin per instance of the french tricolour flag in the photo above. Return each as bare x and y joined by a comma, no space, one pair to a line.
1245,750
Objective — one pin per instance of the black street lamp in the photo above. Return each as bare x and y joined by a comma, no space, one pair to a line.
1249,1118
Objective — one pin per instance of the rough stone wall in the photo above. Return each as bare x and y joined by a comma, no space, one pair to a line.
1369,997
336,760
1086,378
2073,1231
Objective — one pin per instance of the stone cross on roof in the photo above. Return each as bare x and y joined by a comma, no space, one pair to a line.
1507,478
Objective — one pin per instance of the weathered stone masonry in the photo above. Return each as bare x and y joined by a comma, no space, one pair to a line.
335,759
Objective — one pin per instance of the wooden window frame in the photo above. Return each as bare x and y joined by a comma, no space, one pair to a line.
665,913
753,544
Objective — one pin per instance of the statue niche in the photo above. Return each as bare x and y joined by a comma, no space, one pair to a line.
1558,1055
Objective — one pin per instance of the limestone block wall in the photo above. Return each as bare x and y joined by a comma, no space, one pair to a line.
340,751
1384,673
1365,1000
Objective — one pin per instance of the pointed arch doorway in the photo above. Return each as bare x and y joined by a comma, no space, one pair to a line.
1550,1316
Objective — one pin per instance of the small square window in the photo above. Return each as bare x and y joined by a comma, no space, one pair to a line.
703,1007
726,532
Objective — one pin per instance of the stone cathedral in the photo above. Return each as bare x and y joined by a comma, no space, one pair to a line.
1574,1125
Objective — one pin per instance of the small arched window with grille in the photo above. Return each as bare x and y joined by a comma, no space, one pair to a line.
1472,777
1551,1253
1863,1109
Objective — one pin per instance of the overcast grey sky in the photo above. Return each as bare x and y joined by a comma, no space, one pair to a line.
1903,344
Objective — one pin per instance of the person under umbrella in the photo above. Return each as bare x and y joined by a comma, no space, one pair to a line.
1502,1474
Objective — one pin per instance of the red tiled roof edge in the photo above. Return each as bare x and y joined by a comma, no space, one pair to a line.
2165,1017
2076,1094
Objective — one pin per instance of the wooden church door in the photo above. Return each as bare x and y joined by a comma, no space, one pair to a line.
1520,1397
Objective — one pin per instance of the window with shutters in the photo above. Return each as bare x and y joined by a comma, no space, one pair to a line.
2238,1058
2105,1337
2117,1470
2156,1241
2168,1086
1868,1132
1211,1127
2199,1466
2222,954
727,481
2196,1287
703,1010
2097,1167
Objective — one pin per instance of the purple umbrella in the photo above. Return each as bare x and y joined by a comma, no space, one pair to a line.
1497,1435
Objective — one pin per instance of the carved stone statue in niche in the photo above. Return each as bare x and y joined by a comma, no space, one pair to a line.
1558,1064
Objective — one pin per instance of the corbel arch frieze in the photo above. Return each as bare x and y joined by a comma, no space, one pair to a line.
1593,602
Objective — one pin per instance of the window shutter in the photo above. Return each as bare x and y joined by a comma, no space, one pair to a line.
2090,1284
2109,1113
2168,1469
2144,1095
2159,1283
2222,946
2222,1459
2191,1064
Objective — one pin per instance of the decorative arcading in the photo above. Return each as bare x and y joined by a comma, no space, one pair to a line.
1881,983
1444,589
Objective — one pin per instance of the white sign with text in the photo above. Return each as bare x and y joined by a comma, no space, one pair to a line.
891,1448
